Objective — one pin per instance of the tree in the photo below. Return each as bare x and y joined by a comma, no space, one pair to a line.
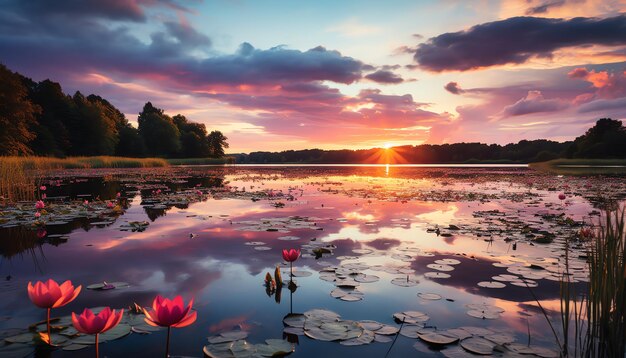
606,139
95,130
159,133
217,143
17,115
193,138
58,112
131,143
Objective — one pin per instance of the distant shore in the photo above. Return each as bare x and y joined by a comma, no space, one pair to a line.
581,166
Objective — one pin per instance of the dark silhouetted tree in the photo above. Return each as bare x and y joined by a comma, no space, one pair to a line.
159,133
17,115
606,139
217,144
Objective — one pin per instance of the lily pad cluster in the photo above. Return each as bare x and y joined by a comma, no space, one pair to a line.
64,336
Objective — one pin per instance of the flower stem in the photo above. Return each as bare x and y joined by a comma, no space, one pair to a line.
48,327
167,344
291,271
97,352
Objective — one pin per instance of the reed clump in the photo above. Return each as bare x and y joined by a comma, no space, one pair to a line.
606,300
19,176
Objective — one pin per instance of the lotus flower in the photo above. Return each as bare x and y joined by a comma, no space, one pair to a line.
40,205
291,255
50,295
37,215
562,196
42,188
44,196
90,323
170,313
118,195
110,205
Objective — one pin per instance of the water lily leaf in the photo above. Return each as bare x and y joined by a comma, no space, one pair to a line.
405,281
429,296
366,338
74,347
370,325
108,285
491,284
294,320
478,345
21,338
436,275
387,330
438,338
439,267
382,339
411,317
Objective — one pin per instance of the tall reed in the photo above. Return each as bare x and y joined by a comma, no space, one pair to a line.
19,176
606,303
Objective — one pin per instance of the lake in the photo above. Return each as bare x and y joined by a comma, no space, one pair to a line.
457,252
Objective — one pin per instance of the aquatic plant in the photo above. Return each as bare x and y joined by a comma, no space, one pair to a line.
50,295
291,256
90,323
606,301
170,313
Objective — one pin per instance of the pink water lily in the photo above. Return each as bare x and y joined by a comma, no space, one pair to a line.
562,196
170,313
40,205
291,255
90,323
50,295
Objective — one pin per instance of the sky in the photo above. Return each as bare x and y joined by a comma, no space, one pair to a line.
277,75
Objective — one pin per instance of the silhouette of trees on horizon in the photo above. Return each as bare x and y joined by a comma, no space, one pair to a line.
38,118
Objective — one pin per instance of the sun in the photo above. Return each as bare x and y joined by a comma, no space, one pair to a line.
387,145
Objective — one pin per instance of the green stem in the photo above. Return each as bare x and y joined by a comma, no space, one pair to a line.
167,344
48,327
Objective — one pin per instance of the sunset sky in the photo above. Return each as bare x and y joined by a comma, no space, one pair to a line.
276,75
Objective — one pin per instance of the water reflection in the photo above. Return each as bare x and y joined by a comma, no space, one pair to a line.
369,215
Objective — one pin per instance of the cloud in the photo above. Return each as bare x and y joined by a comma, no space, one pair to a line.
534,102
384,76
543,8
515,41
121,10
608,85
453,88
605,105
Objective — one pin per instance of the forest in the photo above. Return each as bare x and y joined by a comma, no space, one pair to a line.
605,140
38,118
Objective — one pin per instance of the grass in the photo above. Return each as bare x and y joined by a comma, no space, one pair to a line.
19,176
199,161
593,322
581,166
606,302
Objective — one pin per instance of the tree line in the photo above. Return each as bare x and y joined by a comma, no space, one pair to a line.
606,139
38,118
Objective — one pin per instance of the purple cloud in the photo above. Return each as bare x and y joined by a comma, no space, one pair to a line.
384,76
453,88
516,40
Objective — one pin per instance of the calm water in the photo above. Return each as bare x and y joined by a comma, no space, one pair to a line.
388,222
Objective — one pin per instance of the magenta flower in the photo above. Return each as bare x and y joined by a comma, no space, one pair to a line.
291,255
37,215
562,196
42,188
170,313
40,205
50,295
90,323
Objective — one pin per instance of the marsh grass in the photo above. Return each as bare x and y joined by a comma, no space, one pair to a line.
200,161
20,176
581,166
606,301
593,320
